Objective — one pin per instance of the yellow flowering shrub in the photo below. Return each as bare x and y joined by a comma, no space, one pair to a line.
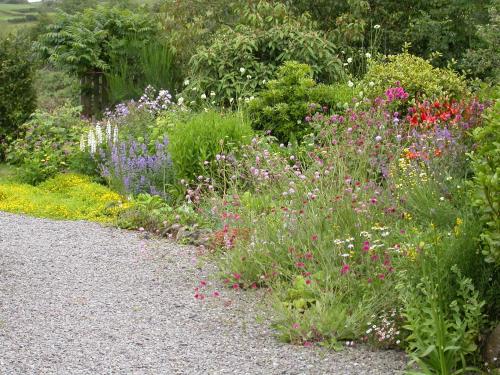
66,196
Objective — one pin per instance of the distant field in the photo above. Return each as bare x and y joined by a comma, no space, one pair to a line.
18,13
17,16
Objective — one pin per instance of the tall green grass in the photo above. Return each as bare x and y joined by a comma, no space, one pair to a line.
138,66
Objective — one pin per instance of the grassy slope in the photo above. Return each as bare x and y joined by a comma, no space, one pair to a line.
13,16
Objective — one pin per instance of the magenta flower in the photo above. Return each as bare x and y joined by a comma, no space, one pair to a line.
345,269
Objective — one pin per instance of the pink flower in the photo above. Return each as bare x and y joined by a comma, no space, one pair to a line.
237,276
216,294
300,264
236,286
314,237
203,283
295,325
345,269
381,276
308,344
308,281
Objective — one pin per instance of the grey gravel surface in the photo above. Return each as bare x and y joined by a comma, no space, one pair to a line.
80,298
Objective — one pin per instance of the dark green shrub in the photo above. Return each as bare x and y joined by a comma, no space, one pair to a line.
240,59
49,145
17,95
486,165
281,108
201,138
483,58
416,75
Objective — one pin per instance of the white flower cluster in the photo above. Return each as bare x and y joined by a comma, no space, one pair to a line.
95,137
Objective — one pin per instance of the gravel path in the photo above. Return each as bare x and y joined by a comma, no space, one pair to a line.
79,298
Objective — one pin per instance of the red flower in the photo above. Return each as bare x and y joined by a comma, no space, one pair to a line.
300,264
236,286
345,268
237,276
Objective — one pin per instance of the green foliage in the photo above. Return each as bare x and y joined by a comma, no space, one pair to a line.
154,214
441,336
84,41
486,166
241,58
17,94
139,64
201,138
416,75
448,27
49,145
188,24
282,106
482,59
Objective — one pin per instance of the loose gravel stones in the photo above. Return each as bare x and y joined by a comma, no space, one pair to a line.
80,298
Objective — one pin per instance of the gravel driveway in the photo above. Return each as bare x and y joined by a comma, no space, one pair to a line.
79,298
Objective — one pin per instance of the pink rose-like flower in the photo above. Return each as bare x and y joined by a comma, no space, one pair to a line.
295,325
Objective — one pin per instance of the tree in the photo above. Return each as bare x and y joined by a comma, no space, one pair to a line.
83,43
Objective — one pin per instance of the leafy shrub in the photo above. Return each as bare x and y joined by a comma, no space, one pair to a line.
202,137
241,58
281,108
486,166
418,77
17,94
66,196
49,144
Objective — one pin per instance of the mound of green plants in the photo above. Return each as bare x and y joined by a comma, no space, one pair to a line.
195,143
49,143
418,77
282,106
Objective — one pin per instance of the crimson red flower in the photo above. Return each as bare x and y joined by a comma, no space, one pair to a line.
345,268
